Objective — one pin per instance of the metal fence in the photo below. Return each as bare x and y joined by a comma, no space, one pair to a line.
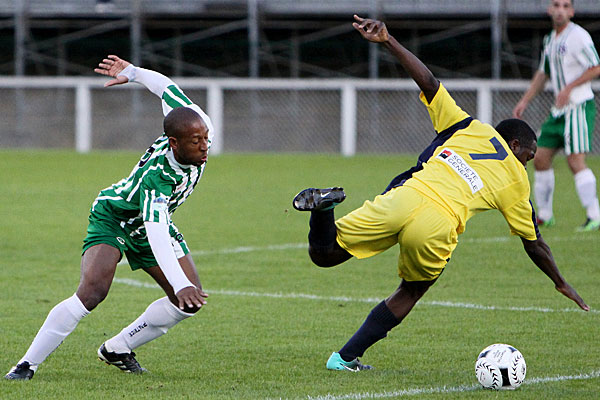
287,7
250,115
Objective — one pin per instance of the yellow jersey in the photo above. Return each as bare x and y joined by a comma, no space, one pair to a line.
473,170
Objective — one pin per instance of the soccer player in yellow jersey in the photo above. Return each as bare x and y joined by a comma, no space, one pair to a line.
468,168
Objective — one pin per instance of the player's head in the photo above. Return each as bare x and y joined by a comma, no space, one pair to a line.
561,12
188,136
520,138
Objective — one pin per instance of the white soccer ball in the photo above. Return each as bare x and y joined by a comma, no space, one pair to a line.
500,366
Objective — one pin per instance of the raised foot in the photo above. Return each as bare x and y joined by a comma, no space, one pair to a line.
312,199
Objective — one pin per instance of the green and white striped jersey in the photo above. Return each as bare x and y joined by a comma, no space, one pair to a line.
565,57
158,184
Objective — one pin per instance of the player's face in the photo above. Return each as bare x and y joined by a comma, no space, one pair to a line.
561,12
524,153
192,147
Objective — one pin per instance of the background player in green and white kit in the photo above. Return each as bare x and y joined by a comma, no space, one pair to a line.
133,216
570,61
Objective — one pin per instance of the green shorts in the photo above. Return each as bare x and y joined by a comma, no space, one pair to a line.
573,130
106,230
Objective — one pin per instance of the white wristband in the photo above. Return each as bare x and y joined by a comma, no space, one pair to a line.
128,72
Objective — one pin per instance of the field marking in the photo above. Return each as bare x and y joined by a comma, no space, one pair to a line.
445,389
287,246
373,300
304,245
242,249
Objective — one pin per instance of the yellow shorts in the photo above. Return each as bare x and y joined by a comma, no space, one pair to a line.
426,233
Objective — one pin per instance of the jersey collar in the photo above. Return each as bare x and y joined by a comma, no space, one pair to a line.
176,165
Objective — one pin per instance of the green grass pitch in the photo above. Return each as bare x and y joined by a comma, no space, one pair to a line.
273,318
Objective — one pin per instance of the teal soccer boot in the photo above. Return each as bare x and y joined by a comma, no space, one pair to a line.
336,363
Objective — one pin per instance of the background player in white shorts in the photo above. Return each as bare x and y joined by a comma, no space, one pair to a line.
570,61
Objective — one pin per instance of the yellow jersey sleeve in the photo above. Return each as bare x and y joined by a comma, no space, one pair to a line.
520,220
443,110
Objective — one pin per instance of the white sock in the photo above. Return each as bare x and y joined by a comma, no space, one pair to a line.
585,183
158,318
60,322
544,191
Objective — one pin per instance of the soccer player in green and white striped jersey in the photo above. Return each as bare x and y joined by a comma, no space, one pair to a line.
570,61
133,216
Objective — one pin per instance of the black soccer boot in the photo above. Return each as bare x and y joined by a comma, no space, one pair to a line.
21,372
312,199
124,361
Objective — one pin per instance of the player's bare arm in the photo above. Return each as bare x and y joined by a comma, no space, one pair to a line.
111,66
562,99
537,85
375,31
191,295
539,252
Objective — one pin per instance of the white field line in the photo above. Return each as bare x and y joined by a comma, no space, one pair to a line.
242,249
287,246
305,296
291,246
446,389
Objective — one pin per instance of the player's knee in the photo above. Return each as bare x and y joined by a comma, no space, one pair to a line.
189,310
576,164
329,256
91,296
416,289
542,163
320,256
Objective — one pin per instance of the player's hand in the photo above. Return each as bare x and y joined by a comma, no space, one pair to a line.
371,29
111,66
519,109
563,97
191,297
568,291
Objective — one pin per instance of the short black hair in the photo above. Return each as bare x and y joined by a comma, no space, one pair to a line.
514,128
572,3
178,119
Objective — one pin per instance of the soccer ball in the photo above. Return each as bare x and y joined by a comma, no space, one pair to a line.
500,366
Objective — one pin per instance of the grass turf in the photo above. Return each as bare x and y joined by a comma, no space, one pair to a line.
258,336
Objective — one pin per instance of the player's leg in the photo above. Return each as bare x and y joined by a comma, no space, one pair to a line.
427,240
382,319
158,317
323,249
580,128
550,141
543,186
585,185
98,265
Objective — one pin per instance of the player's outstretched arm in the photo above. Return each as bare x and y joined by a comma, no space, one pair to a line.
123,71
539,252
375,31
112,66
